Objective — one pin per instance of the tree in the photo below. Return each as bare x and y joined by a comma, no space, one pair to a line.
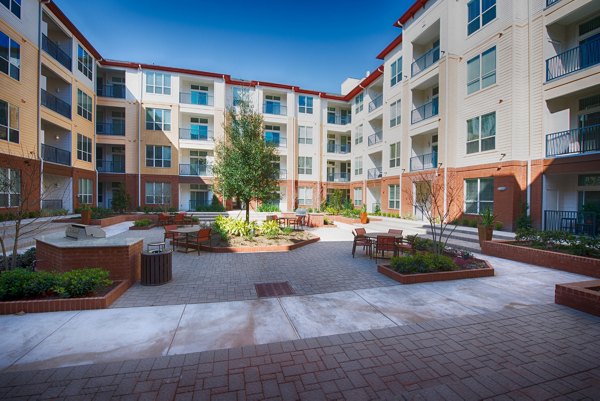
121,200
243,166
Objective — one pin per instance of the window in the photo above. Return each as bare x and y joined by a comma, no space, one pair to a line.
10,56
305,135
9,122
10,187
240,93
13,5
479,195
358,135
305,104
479,13
588,180
396,72
84,191
273,134
304,165
395,154
84,62
358,165
481,71
395,113
84,105
84,148
159,83
158,156
394,196
158,193
158,120
358,103
305,196
481,133
358,197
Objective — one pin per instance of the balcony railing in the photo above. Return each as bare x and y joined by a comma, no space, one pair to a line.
551,2
274,108
573,60
579,223
52,204
423,162
56,52
374,173
339,119
375,138
376,103
111,128
425,61
572,142
338,177
199,98
195,134
342,149
281,174
105,166
116,91
55,155
58,105
279,143
428,110
196,203
197,170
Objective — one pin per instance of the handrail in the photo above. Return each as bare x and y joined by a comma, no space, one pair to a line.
53,103
425,61
573,60
198,98
574,141
196,134
56,52
55,155
110,128
425,111
423,162
376,103
375,138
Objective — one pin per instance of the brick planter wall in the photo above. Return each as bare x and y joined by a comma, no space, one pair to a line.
579,296
109,221
347,220
248,249
437,276
316,220
555,260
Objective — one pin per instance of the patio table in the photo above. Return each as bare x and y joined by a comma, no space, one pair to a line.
186,231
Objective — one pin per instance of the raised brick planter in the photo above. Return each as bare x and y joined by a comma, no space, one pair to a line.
438,276
64,304
555,260
580,296
347,220
134,228
109,221
247,249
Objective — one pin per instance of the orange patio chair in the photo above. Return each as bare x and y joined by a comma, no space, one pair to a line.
361,240
384,244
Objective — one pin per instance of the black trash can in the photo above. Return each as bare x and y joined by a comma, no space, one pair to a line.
156,265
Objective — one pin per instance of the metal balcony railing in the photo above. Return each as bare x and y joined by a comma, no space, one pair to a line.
573,60
551,2
428,110
111,128
376,103
56,52
572,142
197,170
106,166
55,104
339,119
116,91
55,155
52,204
196,134
375,138
199,98
423,162
579,223
274,108
277,142
342,149
374,173
425,61
338,177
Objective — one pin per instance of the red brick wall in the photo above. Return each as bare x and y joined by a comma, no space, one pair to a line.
30,181
172,179
579,296
90,175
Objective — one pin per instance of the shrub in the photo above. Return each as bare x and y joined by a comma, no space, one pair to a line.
24,260
215,206
81,282
100,213
498,226
270,228
422,263
524,220
226,226
266,207
142,223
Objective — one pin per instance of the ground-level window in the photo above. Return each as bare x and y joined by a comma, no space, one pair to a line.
358,196
479,195
10,187
158,193
9,122
305,196
394,196
84,191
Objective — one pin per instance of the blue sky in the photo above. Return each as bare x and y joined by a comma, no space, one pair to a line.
314,44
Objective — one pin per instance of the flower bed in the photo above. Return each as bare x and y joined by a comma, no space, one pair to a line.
260,246
583,296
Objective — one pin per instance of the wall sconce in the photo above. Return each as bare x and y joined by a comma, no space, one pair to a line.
440,165
57,137
501,189
442,52
502,156
403,170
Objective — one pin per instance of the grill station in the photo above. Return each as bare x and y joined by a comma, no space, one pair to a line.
81,232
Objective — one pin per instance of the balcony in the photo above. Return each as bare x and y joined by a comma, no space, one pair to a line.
573,142
55,104
339,119
375,138
56,52
55,155
551,2
573,60
423,162
196,170
116,91
574,222
111,128
425,61
428,110
105,166
376,103
341,149
277,142
274,108
374,173
196,134
338,177
199,98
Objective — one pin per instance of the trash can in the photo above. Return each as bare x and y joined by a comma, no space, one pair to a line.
156,265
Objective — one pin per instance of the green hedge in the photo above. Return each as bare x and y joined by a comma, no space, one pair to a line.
422,263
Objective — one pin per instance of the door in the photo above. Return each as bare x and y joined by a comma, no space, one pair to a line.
345,144
589,51
331,115
198,198
421,199
331,143
197,163
199,95
100,159
330,171
344,171
344,117
118,163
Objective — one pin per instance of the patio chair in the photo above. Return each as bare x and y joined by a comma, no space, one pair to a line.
384,244
169,234
299,222
163,219
361,240
397,232
179,219
203,237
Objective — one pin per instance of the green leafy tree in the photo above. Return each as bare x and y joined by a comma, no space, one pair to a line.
243,166
121,201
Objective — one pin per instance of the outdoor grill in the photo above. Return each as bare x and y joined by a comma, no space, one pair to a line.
81,231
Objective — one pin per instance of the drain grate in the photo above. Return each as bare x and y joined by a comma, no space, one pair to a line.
273,289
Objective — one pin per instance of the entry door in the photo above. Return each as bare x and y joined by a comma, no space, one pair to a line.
198,198
345,144
588,53
344,171
421,197
330,171
197,162
331,143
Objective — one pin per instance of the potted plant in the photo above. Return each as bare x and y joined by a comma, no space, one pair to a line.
86,214
363,215
485,229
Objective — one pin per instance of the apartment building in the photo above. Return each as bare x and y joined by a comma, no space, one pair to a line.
498,98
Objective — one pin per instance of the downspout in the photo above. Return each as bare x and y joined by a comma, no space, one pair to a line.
39,101
139,136
446,136
528,174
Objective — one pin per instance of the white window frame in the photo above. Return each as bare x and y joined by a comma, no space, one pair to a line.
396,70
14,6
394,196
9,129
358,136
358,195
84,148
359,103
305,135
85,63
395,113
162,162
358,165
481,79
85,193
479,138
305,196
158,119
478,19
12,61
157,193
305,104
478,201
395,155
10,187
158,83
305,165
84,104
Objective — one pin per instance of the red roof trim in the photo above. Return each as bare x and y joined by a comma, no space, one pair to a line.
128,64
390,47
410,12
364,83
67,22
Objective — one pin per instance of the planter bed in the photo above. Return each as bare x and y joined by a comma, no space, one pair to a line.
555,260
347,220
264,248
66,304
134,228
109,221
436,276
583,296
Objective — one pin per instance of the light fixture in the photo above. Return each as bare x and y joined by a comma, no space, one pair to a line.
57,137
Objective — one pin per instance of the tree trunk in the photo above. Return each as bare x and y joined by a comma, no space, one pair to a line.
247,211
13,263
5,259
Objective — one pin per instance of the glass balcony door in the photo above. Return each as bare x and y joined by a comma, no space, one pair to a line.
199,132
